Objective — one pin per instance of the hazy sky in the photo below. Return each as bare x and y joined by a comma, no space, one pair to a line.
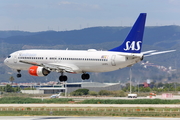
60,15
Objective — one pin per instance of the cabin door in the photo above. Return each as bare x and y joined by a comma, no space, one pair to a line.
113,63
15,57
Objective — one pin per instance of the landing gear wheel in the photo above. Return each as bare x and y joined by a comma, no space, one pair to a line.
85,76
63,78
18,75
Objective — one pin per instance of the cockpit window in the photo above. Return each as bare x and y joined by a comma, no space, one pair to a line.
9,56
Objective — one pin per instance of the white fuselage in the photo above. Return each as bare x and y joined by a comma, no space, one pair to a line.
80,61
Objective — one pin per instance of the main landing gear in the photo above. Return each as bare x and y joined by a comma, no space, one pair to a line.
19,74
85,76
64,78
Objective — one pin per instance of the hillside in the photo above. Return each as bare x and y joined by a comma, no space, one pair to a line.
168,35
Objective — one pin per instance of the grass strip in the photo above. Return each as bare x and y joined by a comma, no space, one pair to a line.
134,101
26,100
91,113
22,100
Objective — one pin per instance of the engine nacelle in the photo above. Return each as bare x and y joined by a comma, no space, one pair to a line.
38,71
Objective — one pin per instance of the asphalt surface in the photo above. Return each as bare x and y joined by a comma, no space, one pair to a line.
80,118
92,105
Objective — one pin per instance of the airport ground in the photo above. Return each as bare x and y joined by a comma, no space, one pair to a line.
109,110
90,105
157,97
125,110
80,118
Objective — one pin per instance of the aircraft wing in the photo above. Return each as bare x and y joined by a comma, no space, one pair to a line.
152,52
31,63
54,66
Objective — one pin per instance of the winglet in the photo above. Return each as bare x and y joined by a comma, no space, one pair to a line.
133,41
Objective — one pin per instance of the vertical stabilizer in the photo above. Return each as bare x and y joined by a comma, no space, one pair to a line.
133,42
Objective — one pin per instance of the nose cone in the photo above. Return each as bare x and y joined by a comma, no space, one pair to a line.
6,61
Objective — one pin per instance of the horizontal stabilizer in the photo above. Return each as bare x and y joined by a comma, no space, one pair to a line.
155,53
147,52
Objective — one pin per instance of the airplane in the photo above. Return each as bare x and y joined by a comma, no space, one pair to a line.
56,95
41,62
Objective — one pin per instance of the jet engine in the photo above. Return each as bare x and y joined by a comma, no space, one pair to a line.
38,71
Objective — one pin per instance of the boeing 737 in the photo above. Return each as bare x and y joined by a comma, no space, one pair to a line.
42,62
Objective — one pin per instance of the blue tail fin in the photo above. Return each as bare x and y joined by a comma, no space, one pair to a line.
133,41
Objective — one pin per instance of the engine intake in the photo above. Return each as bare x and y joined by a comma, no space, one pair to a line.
38,71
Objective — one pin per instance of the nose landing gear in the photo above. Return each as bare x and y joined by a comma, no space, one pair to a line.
19,74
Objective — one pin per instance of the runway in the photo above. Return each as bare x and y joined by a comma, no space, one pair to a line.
81,118
19,107
92,105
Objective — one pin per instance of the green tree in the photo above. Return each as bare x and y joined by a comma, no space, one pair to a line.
29,88
119,93
160,84
11,79
9,88
83,91
76,93
17,89
144,89
104,92
93,93
80,92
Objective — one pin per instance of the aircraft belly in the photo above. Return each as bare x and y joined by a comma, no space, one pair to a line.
98,68
128,63
20,67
